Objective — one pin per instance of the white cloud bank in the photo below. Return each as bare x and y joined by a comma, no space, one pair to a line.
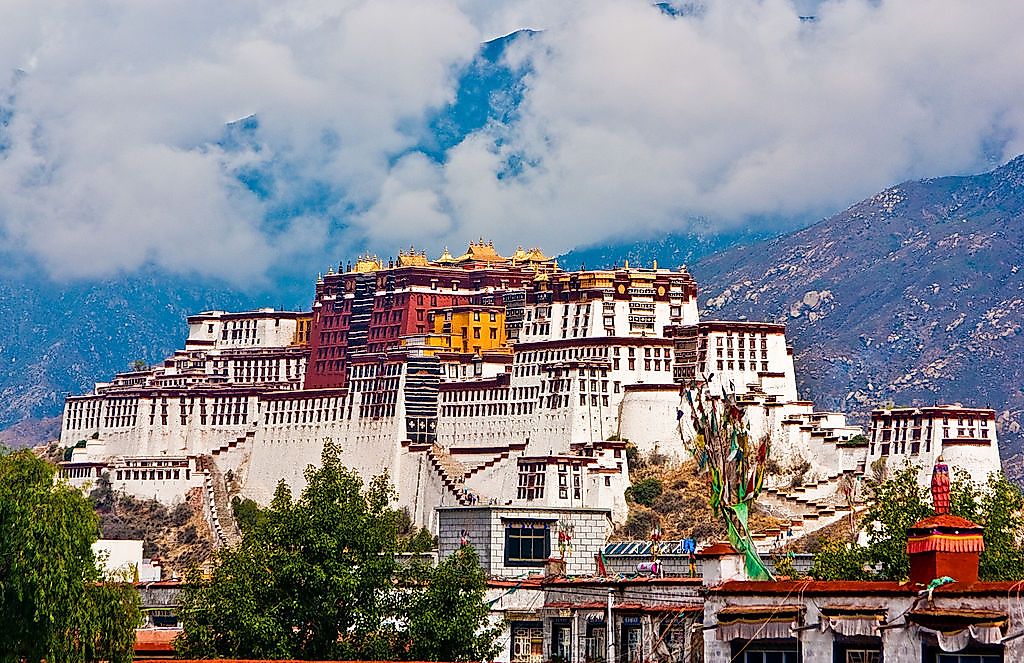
632,121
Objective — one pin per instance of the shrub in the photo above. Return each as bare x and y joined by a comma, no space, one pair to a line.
670,501
645,491
188,535
839,560
800,470
633,459
180,514
784,567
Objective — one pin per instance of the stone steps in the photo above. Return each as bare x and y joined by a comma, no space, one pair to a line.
235,443
216,503
452,474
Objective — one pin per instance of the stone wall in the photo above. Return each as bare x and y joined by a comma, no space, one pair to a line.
485,526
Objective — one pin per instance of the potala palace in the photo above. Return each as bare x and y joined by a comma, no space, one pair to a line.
478,379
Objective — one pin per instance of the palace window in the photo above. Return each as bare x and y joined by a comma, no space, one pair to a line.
531,479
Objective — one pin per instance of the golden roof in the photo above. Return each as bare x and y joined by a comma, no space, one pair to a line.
368,264
481,252
412,259
446,258
534,255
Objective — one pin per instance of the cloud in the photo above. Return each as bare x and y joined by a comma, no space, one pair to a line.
114,153
636,121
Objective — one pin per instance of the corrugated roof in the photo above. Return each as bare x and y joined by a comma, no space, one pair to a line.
627,548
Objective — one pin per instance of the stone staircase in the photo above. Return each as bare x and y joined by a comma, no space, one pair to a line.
476,461
216,503
809,507
451,472
235,443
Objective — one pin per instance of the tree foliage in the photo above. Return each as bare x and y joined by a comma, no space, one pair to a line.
317,578
997,507
898,501
53,605
896,504
445,621
840,560
645,491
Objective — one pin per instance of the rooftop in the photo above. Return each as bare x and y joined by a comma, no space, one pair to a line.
946,521
859,588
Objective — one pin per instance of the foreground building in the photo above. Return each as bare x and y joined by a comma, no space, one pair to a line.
573,608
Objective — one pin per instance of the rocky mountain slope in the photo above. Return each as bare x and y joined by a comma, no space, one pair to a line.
914,296
671,250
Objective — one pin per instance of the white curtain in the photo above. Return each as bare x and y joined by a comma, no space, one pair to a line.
957,641
745,631
851,626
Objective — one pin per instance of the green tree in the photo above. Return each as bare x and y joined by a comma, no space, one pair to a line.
449,620
996,506
840,560
247,513
420,542
53,603
784,567
897,504
315,578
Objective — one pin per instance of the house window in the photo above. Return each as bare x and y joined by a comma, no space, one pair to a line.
765,651
975,653
859,654
527,543
858,651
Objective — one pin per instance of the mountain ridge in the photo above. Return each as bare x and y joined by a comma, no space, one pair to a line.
914,295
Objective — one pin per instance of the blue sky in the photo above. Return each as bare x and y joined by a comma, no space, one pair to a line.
117,151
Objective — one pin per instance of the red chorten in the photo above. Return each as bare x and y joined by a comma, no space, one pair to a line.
944,545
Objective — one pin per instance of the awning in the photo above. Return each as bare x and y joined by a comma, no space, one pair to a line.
852,620
954,629
752,622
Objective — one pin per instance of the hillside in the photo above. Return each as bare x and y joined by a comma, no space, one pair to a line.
670,250
913,296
